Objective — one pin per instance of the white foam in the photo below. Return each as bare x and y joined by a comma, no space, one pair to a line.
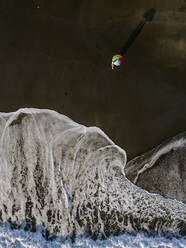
70,178
21,239
162,150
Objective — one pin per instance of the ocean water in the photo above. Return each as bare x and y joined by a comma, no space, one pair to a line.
60,178
25,239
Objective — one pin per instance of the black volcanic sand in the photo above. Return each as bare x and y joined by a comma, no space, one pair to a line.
56,55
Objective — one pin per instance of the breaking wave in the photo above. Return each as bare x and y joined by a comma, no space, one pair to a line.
68,180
